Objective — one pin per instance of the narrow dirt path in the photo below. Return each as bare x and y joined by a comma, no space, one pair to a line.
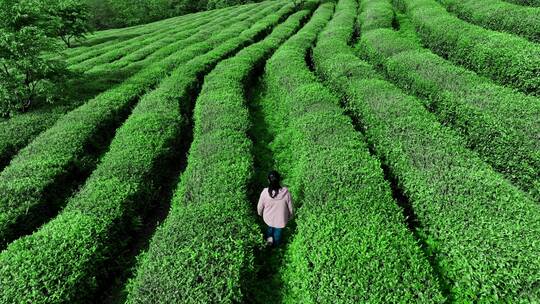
267,288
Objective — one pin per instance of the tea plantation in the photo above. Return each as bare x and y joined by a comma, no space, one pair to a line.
408,132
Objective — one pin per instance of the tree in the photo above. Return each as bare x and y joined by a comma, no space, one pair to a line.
215,4
182,7
25,73
102,14
69,19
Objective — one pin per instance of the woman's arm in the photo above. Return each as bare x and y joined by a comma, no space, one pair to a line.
260,205
290,205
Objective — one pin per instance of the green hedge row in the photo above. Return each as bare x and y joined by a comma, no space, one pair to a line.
26,183
78,61
132,31
498,16
77,55
507,59
130,57
64,260
482,233
498,123
80,54
124,48
406,27
124,57
101,39
203,253
99,43
20,130
375,14
525,2
186,27
351,243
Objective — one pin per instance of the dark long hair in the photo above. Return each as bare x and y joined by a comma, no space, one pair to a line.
274,183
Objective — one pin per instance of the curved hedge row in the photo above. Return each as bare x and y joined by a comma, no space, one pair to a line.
25,184
20,130
62,262
104,39
133,36
498,123
507,59
481,231
120,50
351,243
203,253
128,57
132,31
525,2
149,52
375,14
498,16
79,60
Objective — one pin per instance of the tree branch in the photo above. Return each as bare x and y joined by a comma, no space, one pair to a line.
6,70
32,85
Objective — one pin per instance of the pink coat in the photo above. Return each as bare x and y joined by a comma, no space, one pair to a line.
277,211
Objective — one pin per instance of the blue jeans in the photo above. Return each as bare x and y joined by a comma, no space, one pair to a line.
275,233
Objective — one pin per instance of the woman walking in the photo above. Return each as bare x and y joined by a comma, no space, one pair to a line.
276,208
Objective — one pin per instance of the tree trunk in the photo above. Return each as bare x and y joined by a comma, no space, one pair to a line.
66,40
